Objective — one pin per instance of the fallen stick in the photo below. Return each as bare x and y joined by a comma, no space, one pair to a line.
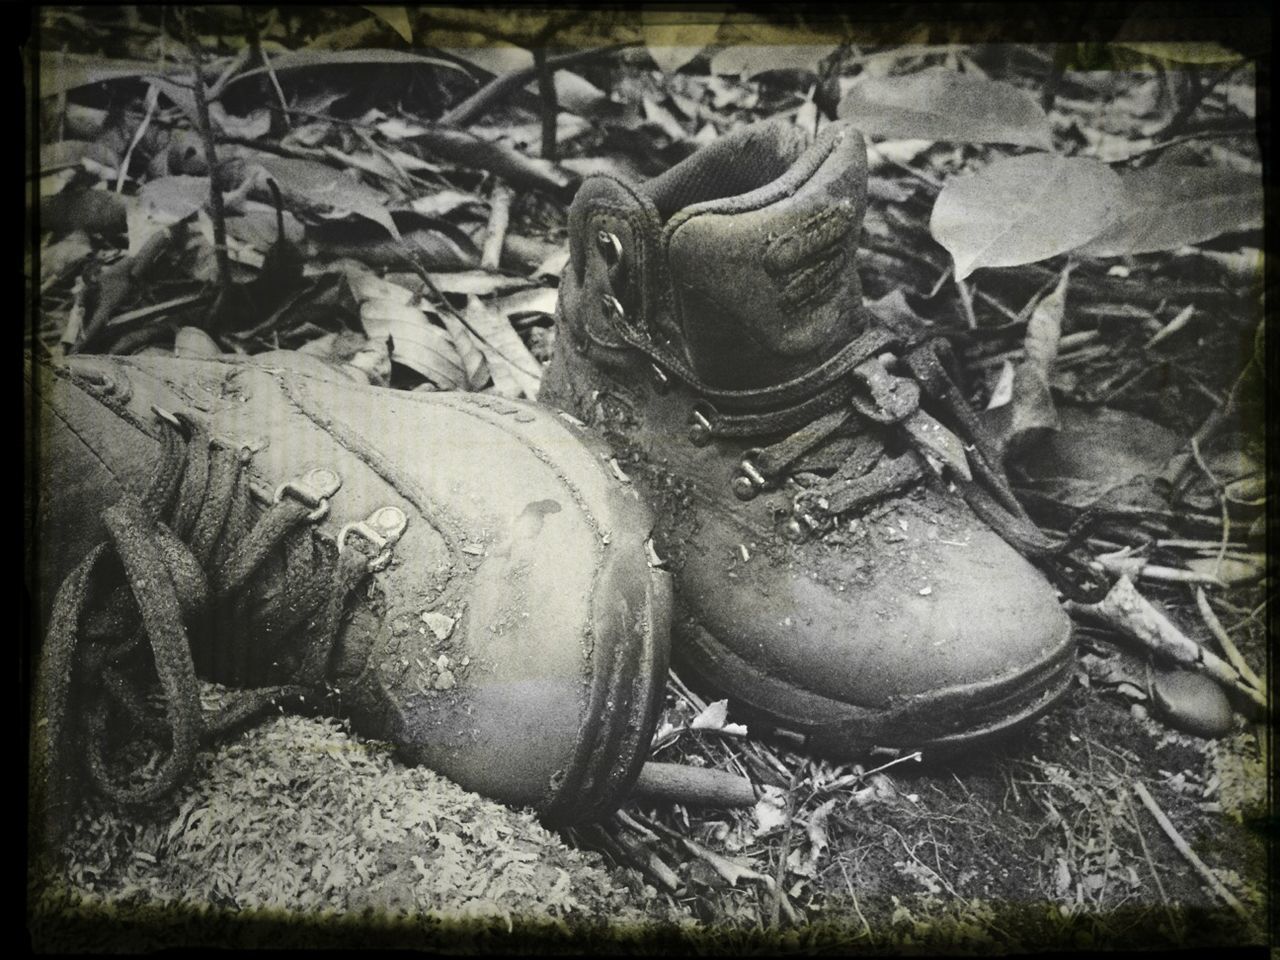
499,217
1133,615
498,89
1224,639
1201,867
695,786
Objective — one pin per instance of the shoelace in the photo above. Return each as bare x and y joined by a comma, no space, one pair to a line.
858,418
184,580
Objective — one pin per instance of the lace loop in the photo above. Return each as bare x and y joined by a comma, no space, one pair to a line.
170,580
817,407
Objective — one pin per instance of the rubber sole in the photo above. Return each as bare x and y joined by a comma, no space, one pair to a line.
943,721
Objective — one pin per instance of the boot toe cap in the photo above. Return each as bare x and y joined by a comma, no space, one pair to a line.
934,639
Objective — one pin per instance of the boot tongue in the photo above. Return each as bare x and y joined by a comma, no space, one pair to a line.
760,240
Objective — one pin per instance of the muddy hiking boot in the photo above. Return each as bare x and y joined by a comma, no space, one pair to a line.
460,575
850,563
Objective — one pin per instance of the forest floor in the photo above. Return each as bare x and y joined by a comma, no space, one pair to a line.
1104,824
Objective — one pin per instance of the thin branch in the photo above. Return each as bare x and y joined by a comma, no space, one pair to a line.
216,212
550,108
1183,848
497,89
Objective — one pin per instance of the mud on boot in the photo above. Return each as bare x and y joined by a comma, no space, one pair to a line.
842,541
461,575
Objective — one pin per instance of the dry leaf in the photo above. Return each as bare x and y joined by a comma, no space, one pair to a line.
515,371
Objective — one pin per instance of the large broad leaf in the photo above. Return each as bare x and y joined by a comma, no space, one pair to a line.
313,184
1024,209
341,58
750,60
1188,52
940,104
492,56
1169,206
60,72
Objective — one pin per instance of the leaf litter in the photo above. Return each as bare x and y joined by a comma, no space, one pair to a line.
1163,256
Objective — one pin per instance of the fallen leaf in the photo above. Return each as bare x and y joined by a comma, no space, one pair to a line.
1002,392
192,342
476,282
514,369
1023,209
770,813
941,104
473,362
415,341
466,150
61,71
444,201
534,300
1167,206
310,184
1198,52
312,57
751,60
1030,411
712,718
62,257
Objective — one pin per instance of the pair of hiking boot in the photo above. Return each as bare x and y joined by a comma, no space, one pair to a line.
488,584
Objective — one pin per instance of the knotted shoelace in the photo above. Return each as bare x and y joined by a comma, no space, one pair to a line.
855,429
188,581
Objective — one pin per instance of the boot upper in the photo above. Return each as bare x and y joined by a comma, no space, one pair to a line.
518,595
711,327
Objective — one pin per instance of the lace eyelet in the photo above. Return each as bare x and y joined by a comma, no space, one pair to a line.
613,306
750,481
610,247
313,489
382,528
661,382
700,418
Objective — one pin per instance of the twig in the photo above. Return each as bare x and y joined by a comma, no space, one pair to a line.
784,851
694,786
499,216
1201,867
1224,639
153,96
497,89
216,212
966,301
1173,326
1146,853
550,108
1133,615
1136,567
255,46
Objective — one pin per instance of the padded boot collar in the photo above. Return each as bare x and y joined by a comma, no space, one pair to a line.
746,291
